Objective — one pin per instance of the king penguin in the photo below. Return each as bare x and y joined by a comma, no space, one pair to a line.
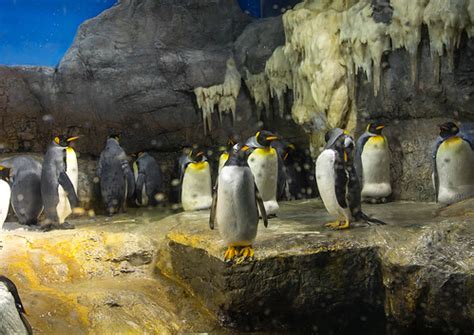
453,165
235,206
148,181
25,180
117,183
196,184
372,162
224,156
5,194
12,312
337,181
57,182
263,162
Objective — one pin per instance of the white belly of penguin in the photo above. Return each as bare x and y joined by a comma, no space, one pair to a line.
10,319
236,210
455,164
376,170
196,192
264,167
326,180
5,193
64,207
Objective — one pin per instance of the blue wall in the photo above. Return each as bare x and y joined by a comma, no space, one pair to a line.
38,32
266,8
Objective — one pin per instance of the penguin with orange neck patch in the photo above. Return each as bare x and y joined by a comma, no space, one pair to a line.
453,162
372,163
196,184
263,162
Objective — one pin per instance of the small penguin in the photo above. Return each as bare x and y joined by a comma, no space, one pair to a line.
235,206
372,162
25,181
12,312
57,182
337,181
196,184
148,179
263,162
117,183
453,162
5,193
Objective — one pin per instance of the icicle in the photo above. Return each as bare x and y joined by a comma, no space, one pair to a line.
259,91
278,72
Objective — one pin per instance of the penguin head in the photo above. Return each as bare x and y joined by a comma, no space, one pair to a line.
238,155
5,173
64,141
375,128
448,129
331,136
265,138
115,137
197,155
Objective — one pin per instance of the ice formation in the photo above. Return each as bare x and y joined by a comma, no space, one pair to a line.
278,72
259,91
223,96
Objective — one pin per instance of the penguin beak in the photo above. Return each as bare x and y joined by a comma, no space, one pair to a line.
70,139
200,153
286,156
380,127
245,148
271,138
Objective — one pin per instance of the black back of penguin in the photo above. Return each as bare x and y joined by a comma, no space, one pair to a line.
149,175
26,198
115,176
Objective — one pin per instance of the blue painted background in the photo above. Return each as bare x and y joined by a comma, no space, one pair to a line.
38,32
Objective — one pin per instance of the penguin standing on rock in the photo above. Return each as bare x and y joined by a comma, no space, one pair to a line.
12,312
263,162
196,184
5,194
372,162
235,206
58,175
147,179
117,183
25,181
453,165
338,183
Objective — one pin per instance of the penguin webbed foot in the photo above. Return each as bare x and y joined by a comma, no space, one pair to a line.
246,253
332,224
230,254
339,225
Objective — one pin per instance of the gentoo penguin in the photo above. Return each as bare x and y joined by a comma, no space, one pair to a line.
25,181
12,312
337,181
57,185
453,161
5,193
372,162
148,179
117,183
196,184
263,162
235,206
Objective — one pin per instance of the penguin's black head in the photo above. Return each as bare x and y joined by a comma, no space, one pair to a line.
5,173
197,155
448,129
238,155
265,138
64,141
115,137
375,128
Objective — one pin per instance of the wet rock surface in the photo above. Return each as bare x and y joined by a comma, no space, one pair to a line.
309,278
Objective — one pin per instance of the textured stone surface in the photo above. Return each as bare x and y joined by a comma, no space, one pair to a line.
99,279
306,276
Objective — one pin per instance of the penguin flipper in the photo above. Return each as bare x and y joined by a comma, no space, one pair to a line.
130,179
212,216
139,187
67,185
261,207
340,183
